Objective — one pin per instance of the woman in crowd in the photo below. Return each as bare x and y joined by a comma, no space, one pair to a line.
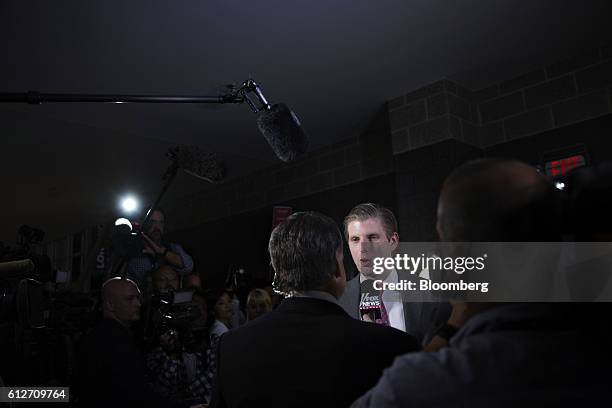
220,313
258,304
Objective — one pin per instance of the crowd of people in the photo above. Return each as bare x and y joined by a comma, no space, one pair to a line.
164,340
157,339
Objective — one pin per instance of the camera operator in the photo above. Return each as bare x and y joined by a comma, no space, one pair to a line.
165,281
156,253
165,278
183,365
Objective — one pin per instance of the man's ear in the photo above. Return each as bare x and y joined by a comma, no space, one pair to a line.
339,281
340,272
394,240
108,305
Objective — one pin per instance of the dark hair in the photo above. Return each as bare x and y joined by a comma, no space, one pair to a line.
366,211
211,297
160,210
303,252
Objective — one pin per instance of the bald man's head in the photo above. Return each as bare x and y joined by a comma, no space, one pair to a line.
121,300
497,200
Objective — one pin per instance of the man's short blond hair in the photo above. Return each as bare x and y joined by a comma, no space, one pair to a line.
366,211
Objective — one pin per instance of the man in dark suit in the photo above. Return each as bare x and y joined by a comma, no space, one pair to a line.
308,352
111,368
371,232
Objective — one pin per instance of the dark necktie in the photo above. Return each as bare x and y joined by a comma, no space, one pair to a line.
384,316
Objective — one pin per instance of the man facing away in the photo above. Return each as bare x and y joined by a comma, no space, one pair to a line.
307,352
371,232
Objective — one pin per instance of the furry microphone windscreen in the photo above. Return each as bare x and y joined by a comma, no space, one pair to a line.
283,131
198,163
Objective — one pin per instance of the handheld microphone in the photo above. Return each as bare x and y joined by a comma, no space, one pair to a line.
369,304
198,163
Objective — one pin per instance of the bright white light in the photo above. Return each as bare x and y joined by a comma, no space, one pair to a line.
129,204
123,221
560,185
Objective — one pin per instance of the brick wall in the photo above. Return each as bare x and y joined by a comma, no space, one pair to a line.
437,127
554,96
439,111
562,93
402,158
419,176
566,92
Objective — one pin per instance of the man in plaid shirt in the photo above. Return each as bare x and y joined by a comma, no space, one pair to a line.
183,376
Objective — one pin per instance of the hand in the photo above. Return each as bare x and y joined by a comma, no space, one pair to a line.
366,318
151,247
459,313
168,341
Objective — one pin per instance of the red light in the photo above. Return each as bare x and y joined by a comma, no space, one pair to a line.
563,166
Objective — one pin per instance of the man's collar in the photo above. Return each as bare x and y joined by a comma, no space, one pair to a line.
391,277
112,317
316,294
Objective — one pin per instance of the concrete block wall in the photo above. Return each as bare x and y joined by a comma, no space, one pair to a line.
569,91
566,92
450,122
434,129
419,176
438,127
439,111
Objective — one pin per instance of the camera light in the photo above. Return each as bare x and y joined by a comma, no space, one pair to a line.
560,185
129,204
123,221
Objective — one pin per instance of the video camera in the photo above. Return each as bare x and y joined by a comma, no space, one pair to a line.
125,238
22,275
181,318
38,317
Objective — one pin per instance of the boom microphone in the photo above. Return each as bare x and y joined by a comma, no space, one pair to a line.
277,123
283,131
198,163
